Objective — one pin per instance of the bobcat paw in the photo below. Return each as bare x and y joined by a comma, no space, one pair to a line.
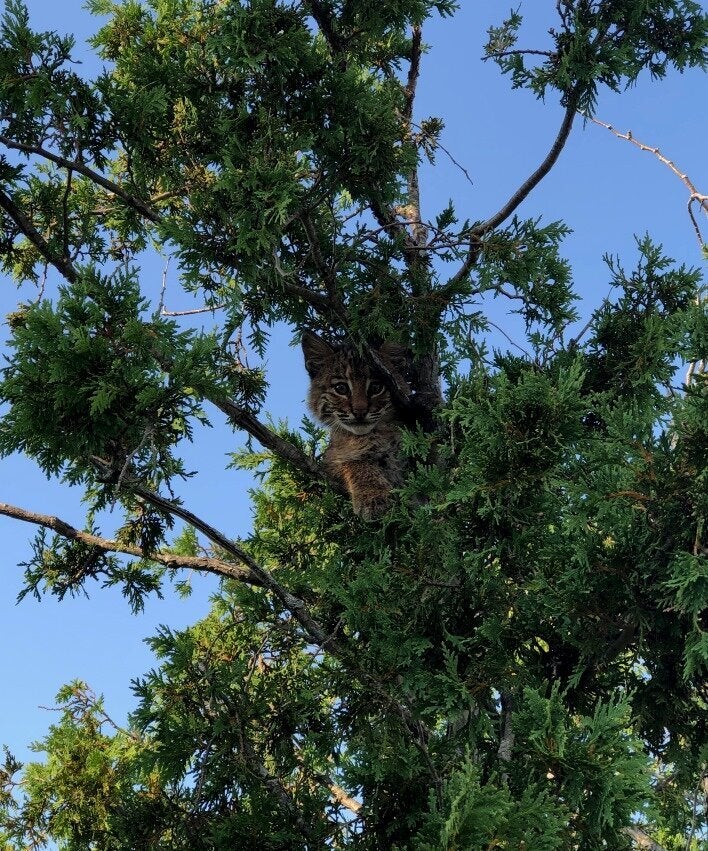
371,509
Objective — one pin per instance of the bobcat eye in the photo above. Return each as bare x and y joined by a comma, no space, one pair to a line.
341,389
375,387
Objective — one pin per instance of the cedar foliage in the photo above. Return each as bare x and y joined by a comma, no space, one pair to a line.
515,656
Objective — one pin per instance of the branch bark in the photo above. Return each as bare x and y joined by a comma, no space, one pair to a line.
479,231
262,575
537,176
73,165
643,840
62,264
107,545
506,742
282,448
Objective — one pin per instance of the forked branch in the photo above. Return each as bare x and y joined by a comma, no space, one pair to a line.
694,194
263,576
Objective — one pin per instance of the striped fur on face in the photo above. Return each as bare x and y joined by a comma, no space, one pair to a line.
354,402
345,393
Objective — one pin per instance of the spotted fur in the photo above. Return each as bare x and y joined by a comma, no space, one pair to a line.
352,400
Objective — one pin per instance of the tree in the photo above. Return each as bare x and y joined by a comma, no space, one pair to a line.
514,656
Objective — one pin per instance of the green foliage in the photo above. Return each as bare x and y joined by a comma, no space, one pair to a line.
609,43
515,656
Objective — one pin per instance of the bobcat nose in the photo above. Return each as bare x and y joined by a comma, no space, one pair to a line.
359,414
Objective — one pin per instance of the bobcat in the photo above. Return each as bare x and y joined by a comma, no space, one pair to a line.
352,400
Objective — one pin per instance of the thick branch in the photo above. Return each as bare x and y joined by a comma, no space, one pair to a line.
643,840
284,449
506,742
420,232
65,530
413,71
340,795
326,24
534,179
61,264
94,176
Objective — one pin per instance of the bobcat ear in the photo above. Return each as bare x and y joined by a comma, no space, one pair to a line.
317,352
397,355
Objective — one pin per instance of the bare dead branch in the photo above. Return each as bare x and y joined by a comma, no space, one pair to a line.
340,795
136,203
106,545
695,195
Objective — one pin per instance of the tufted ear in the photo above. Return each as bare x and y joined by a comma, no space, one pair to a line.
316,351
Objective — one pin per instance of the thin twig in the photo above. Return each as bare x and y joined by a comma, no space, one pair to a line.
207,309
517,52
438,144
695,195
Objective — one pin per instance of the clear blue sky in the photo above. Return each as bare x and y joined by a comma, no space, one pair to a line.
604,188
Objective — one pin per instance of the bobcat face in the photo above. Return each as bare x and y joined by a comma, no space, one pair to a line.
345,394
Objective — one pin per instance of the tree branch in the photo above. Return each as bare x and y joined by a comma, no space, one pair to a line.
480,230
284,449
506,742
73,165
537,176
262,575
695,195
326,25
275,787
643,840
65,530
62,264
